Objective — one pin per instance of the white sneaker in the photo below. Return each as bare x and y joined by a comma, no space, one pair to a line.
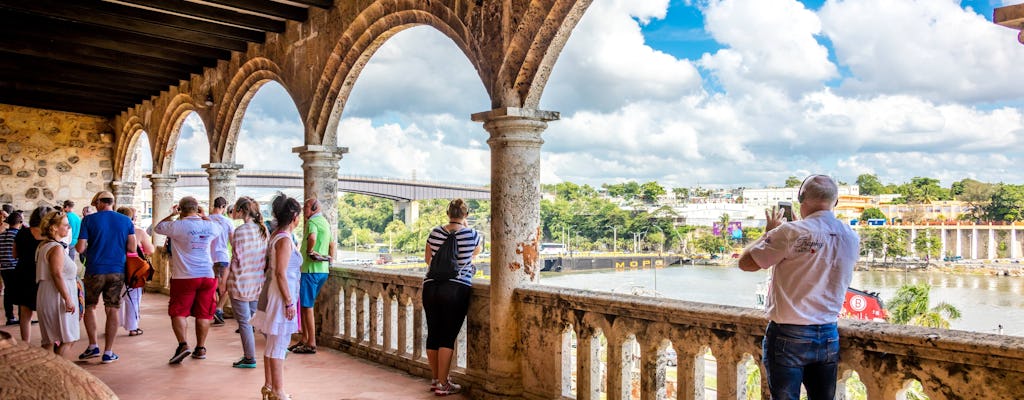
447,389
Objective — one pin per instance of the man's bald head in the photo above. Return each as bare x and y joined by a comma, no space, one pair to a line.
818,192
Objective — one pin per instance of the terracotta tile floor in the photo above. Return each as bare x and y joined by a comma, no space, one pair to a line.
143,372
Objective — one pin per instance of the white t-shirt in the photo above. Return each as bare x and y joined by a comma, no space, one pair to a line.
220,243
813,260
191,243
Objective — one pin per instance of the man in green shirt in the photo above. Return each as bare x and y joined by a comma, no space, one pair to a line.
317,253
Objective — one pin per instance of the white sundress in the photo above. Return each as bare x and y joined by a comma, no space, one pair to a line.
273,321
55,324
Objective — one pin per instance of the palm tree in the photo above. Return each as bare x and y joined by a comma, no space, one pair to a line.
724,222
910,307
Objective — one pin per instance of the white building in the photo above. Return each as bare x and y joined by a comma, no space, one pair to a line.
772,196
706,214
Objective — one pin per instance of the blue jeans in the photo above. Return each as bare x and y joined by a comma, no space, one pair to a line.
243,311
795,354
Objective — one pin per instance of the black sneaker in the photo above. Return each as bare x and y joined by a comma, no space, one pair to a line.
12,322
180,353
218,318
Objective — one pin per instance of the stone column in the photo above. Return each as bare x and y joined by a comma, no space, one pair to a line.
124,193
320,178
991,243
515,141
1014,249
163,199
408,209
974,243
223,179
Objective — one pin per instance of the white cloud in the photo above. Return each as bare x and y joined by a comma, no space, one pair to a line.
930,48
631,112
771,42
193,149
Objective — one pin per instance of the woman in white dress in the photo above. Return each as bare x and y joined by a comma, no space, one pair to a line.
130,314
56,300
277,320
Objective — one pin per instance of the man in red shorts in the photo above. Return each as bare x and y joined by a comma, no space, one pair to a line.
193,285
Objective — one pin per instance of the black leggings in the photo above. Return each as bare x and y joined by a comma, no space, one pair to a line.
446,304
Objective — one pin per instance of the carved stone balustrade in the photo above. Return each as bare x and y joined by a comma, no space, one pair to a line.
580,344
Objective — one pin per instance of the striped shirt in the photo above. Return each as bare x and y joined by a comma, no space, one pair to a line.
248,263
7,260
468,239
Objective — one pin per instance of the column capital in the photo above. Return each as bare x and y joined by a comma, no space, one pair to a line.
123,186
517,113
222,166
317,149
162,179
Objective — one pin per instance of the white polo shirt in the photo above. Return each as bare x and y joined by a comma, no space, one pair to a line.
813,260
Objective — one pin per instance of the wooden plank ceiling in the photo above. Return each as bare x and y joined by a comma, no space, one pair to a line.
102,57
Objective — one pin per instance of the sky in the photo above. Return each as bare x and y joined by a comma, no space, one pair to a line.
713,93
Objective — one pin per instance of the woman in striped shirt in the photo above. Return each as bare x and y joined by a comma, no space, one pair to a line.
246,272
447,301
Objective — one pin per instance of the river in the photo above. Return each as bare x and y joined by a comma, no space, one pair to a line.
985,301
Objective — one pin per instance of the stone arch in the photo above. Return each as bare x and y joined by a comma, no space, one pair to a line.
249,78
128,138
532,67
367,33
169,129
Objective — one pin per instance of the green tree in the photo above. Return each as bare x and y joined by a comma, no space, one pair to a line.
871,213
1007,204
928,244
793,181
629,190
710,244
922,190
681,193
650,191
883,241
869,184
911,304
723,221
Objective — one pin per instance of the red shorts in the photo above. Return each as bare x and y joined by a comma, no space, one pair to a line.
193,297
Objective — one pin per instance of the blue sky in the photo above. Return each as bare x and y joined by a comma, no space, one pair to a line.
711,92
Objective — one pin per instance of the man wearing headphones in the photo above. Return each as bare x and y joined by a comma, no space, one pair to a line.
317,253
813,261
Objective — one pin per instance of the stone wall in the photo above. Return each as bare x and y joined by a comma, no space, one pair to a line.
49,156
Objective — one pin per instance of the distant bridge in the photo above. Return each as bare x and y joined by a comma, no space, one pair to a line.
402,190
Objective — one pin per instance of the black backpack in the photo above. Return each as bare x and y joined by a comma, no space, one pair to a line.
444,265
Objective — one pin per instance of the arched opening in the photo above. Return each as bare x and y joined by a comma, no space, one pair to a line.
267,128
190,149
138,162
396,121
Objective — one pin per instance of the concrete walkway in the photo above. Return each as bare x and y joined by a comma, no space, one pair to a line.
143,373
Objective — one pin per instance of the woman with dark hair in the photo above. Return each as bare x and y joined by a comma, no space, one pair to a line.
8,263
25,244
245,274
447,301
56,275
277,320
130,312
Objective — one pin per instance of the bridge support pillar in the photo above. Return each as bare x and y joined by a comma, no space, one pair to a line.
911,249
124,193
959,242
515,142
942,239
992,244
163,199
223,180
1014,246
320,178
408,209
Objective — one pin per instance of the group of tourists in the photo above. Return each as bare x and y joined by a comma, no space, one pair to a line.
270,278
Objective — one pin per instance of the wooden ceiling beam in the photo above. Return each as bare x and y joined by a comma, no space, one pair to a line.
279,10
71,12
81,56
218,14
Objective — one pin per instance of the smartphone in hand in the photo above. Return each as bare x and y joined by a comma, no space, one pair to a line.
787,210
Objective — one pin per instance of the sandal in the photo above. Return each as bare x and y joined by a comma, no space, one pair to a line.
304,350
266,391
136,332
296,346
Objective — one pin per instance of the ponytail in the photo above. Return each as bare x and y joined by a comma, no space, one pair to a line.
252,210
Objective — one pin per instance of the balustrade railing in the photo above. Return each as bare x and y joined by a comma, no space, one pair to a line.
585,345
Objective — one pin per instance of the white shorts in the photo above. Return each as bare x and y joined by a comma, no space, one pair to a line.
277,346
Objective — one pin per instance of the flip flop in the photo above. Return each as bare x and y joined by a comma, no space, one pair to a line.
137,332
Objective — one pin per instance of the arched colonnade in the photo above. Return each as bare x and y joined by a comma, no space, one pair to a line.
512,44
